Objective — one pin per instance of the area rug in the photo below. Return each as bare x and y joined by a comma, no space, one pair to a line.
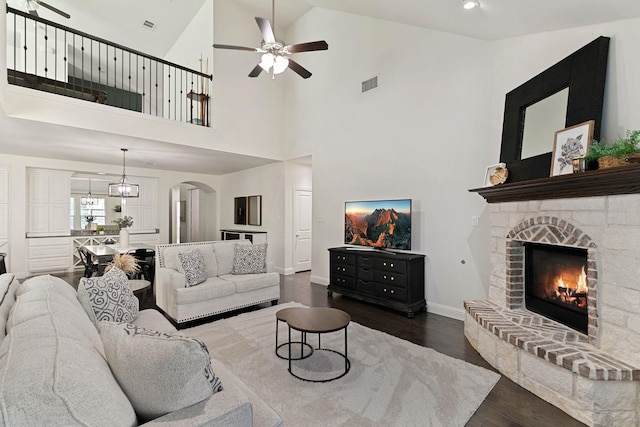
392,382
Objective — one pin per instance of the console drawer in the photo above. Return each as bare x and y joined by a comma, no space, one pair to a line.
391,279
391,292
343,281
343,258
347,270
389,264
365,273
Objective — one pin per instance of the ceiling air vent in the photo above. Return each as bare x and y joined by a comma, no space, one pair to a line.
372,83
148,25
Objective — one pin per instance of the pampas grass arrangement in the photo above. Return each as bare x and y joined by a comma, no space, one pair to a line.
125,262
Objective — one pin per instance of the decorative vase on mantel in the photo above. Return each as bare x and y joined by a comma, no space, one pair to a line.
124,238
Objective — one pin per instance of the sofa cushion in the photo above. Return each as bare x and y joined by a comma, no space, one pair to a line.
195,270
108,297
225,252
250,259
213,287
51,370
251,282
158,372
171,260
8,285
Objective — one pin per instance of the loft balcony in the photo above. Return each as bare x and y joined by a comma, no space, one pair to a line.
45,56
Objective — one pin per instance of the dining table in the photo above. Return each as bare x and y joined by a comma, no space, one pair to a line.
102,251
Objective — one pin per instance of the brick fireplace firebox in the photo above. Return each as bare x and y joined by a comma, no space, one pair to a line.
594,377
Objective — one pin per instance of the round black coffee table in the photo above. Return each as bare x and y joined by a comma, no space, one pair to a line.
281,316
317,320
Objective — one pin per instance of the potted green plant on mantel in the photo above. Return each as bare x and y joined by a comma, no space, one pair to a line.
621,152
123,223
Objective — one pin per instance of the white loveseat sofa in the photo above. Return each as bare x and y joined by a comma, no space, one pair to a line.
221,292
54,371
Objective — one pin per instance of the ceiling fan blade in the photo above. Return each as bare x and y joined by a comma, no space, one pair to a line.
265,28
53,9
256,71
228,46
299,69
307,47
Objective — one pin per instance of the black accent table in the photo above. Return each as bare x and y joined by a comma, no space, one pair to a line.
316,320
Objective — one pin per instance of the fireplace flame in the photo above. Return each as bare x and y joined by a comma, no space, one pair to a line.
582,283
572,291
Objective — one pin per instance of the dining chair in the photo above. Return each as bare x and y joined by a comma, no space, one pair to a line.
146,262
90,267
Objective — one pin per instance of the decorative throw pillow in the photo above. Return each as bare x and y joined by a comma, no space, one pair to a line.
109,297
159,372
250,259
195,270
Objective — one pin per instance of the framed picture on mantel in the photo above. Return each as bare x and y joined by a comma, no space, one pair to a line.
568,144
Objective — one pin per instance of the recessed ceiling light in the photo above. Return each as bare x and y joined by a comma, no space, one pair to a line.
470,4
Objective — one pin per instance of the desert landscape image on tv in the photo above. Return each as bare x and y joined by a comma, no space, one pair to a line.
379,224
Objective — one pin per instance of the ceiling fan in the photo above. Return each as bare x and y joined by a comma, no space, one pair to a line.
275,58
32,8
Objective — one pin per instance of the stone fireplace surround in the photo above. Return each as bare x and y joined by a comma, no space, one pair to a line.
594,377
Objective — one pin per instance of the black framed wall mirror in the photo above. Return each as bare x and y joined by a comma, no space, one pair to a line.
254,210
574,85
240,210
247,210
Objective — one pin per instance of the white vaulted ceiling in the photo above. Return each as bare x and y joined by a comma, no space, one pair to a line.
121,22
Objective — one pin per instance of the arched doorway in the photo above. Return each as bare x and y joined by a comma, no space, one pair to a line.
192,212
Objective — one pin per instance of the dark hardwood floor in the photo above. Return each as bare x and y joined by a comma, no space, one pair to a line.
508,405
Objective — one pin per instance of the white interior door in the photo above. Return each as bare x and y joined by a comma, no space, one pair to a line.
301,230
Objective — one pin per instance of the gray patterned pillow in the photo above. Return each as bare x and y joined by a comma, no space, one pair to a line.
109,296
250,259
195,269
159,372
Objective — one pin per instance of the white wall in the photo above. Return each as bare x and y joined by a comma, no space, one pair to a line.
266,181
246,113
517,60
422,134
18,196
428,131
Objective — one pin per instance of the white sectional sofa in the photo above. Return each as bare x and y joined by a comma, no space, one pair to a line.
221,292
53,369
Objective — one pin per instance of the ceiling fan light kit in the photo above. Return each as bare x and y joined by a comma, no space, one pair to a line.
275,58
470,4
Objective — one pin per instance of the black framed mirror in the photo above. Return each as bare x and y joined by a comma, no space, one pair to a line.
584,74
240,210
254,210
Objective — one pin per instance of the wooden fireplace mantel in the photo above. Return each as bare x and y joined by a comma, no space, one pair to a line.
602,182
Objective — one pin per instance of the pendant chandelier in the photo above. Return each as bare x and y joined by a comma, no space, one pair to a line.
123,188
89,200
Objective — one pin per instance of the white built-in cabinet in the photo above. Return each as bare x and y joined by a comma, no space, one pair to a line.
48,202
143,209
48,254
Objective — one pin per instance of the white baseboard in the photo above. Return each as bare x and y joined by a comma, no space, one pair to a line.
320,280
445,310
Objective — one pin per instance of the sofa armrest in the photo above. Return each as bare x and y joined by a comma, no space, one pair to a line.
167,281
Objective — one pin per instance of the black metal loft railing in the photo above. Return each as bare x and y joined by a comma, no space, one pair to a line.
50,57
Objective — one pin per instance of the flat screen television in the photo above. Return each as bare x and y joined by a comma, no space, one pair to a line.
384,224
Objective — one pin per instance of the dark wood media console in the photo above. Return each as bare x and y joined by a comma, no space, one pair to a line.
392,279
